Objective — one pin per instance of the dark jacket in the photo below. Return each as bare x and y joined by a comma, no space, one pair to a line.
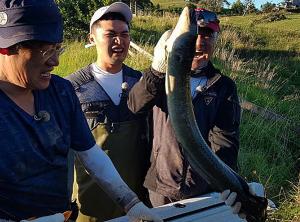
217,113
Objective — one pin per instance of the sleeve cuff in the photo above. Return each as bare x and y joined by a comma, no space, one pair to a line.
133,202
157,73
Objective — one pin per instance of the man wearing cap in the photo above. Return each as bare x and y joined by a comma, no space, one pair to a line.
41,121
216,108
102,88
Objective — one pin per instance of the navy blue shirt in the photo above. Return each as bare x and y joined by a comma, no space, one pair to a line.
33,154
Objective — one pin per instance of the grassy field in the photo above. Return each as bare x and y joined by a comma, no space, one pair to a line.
275,48
169,3
264,61
281,35
264,58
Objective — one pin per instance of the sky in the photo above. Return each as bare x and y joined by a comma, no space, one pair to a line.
258,3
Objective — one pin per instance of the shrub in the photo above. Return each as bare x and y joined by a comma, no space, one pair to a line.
268,7
77,15
270,17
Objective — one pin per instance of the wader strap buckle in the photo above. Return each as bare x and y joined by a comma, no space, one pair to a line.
114,127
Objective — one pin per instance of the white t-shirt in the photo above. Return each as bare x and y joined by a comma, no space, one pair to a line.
111,83
197,82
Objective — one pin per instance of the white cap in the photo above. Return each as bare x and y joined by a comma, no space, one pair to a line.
119,7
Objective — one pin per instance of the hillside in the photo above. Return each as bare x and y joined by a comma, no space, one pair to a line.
277,41
169,3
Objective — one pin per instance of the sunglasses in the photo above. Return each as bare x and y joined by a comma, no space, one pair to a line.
48,53
53,49
203,17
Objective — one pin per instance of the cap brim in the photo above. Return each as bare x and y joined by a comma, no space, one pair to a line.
214,26
50,32
89,45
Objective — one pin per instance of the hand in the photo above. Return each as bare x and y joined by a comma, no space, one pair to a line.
166,41
229,198
140,212
160,54
51,218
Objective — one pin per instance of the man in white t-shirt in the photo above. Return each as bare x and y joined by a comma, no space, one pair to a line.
102,88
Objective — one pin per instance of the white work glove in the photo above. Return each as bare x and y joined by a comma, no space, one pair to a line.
229,198
160,54
51,218
166,41
139,212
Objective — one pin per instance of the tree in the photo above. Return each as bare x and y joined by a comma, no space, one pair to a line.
142,3
268,7
213,5
77,14
192,1
238,7
249,7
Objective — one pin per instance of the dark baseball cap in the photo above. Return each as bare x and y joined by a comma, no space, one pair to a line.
22,20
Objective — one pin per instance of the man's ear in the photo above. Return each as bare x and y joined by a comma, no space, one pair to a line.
91,38
4,51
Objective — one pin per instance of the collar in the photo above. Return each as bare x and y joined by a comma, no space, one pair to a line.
212,74
208,71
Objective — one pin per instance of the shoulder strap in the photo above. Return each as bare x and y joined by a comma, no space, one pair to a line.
131,76
81,76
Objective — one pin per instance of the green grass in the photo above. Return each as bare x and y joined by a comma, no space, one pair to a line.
279,41
266,77
74,57
264,61
169,3
144,31
279,35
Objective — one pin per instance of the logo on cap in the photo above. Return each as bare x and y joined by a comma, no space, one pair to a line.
3,18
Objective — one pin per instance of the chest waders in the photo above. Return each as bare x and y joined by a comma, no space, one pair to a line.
126,145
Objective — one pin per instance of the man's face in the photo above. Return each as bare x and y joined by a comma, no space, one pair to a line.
112,40
204,48
31,63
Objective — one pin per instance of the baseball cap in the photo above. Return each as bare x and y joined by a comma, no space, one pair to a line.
22,20
208,19
119,7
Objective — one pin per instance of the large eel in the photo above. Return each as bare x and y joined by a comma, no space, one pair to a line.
180,108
